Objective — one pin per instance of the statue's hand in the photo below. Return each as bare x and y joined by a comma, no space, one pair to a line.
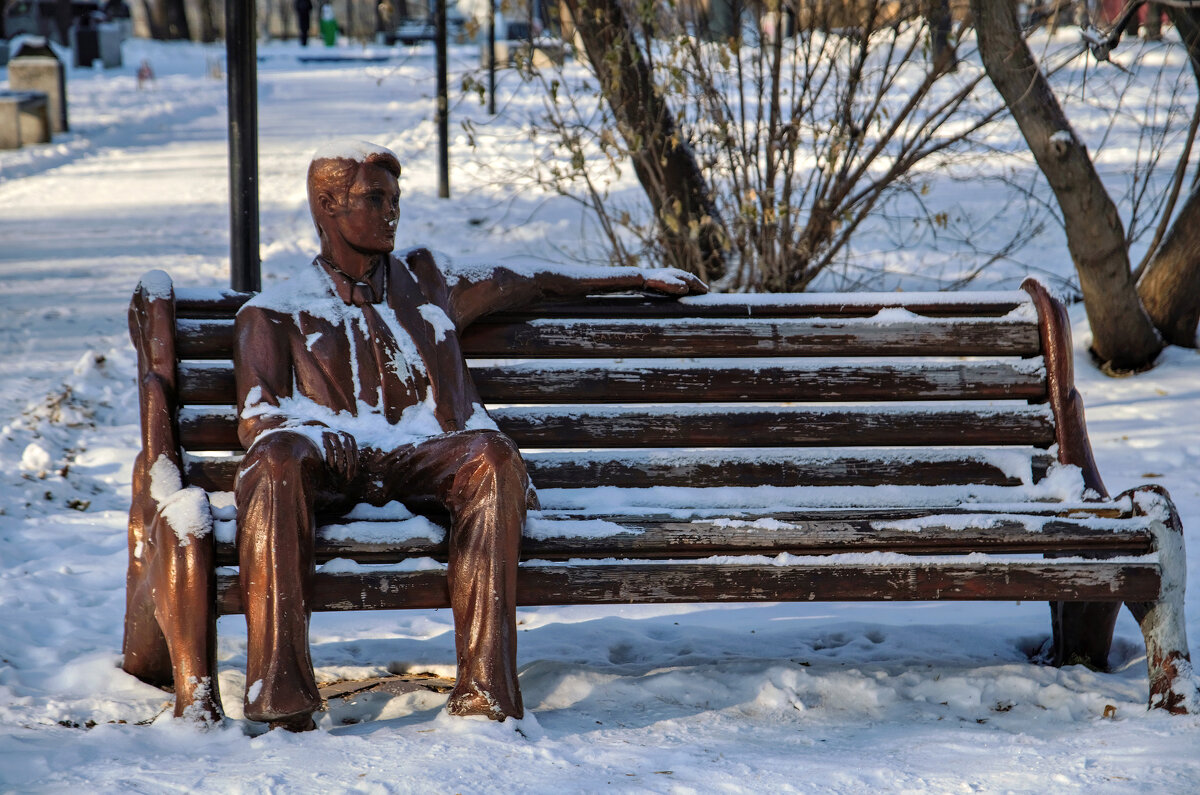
341,453
672,281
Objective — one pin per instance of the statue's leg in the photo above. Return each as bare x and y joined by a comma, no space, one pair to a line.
146,655
276,487
480,477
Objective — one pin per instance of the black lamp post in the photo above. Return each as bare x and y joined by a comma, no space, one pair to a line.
443,105
242,73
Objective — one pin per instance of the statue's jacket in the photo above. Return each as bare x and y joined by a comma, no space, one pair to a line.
381,362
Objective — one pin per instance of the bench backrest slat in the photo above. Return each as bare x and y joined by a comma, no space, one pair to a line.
714,468
212,383
193,302
215,427
727,337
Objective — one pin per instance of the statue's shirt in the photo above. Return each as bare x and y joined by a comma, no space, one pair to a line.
379,360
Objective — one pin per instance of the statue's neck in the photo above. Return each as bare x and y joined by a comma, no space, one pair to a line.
355,264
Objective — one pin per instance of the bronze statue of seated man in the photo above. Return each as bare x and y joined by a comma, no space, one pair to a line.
352,387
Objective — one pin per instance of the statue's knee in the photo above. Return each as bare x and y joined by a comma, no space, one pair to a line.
496,451
494,464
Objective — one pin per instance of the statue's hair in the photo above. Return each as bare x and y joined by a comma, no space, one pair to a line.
335,175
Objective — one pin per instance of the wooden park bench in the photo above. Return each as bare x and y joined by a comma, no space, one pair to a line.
750,448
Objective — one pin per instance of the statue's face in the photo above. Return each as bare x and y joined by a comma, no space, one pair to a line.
367,217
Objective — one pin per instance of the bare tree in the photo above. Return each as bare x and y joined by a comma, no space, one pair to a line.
1169,283
691,231
806,120
1126,314
1123,336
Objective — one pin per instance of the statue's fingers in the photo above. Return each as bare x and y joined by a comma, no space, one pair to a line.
351,458
334,452
669,287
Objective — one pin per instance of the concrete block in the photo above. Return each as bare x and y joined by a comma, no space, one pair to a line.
10,123
35,122
45,74
545,54
110,44
24,119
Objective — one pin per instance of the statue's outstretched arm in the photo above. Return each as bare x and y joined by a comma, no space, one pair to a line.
476,291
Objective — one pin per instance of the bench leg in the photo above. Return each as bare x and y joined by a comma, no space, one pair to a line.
1082,633
170,608
1174,686
144,647
182,579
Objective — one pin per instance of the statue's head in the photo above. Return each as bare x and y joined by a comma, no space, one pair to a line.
354,193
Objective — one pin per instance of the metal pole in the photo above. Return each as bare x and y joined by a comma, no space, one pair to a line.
242,68
443,106
492,57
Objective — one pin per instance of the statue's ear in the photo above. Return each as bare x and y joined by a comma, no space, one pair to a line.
327,203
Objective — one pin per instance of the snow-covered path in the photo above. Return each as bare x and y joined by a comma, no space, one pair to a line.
811,698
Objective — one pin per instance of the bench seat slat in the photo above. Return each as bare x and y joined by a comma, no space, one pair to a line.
207,428
730,337
658,538
213,383
701,582
720,468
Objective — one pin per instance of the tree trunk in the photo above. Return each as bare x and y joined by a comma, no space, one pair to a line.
1152,27
1187,22
1170,287
690,228
208,21
941,22
167,18
1123,338
62,20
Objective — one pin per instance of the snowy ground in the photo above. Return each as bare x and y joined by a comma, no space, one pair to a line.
813,698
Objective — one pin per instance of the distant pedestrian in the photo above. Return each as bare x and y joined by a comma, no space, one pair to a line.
145,74
304,19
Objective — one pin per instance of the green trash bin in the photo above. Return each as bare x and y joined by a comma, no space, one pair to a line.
328,25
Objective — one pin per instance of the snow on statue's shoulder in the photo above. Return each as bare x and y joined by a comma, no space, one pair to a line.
349,149
451,271
308,289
